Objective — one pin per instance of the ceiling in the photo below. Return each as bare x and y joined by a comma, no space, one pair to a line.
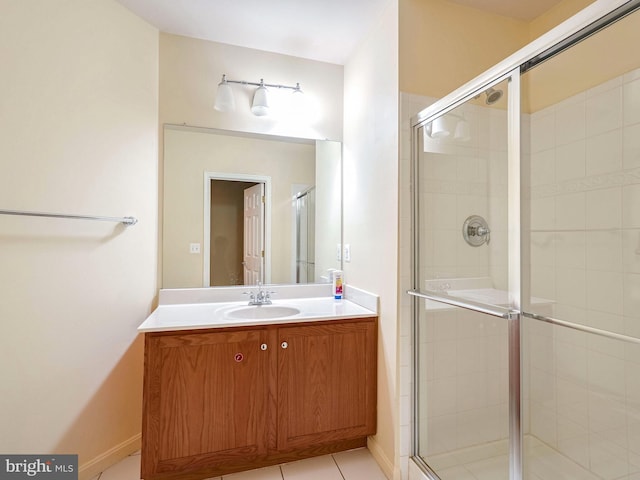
323,30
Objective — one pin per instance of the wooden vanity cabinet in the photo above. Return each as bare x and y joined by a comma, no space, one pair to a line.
205,400
326,383
218,401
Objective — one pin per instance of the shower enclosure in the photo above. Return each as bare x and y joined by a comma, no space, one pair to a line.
526,262
305,206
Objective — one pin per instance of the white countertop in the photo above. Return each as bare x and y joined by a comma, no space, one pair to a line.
215,314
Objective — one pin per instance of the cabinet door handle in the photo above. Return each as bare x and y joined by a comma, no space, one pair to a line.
284,344
263,346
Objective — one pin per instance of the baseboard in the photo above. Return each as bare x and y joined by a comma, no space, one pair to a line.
383,461
93,467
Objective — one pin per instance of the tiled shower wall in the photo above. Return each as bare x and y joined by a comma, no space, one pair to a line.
585,256
459,179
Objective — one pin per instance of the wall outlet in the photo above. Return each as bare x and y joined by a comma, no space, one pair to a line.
347,252
194,248
339,252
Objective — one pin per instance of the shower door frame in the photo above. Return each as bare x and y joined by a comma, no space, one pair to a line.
590,20
512,315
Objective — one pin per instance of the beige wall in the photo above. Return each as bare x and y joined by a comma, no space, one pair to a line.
444,45
188,154
590,63
191,69
328,206
371,206
78,134
556,15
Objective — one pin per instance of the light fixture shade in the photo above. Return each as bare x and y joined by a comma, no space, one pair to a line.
440,127
463,131
225,102
297,102
260,105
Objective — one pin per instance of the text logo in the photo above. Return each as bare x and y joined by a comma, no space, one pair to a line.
39,467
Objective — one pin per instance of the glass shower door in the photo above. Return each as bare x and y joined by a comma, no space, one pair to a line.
582,233
462,290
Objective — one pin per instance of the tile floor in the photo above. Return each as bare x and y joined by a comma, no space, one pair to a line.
355,464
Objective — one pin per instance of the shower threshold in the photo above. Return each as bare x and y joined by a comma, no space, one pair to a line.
490,461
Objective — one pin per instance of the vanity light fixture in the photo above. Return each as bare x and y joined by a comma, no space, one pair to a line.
450,126
260,105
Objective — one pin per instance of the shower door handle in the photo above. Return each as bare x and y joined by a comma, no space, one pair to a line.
493,310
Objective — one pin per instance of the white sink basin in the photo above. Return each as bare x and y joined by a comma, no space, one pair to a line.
262,311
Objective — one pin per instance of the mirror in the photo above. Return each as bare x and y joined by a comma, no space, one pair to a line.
239,208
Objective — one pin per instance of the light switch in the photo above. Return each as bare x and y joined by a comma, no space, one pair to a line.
339,252
347,252
194,248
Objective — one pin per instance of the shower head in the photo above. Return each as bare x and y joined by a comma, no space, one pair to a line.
492,95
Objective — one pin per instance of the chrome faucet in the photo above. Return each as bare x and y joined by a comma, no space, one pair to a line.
260,297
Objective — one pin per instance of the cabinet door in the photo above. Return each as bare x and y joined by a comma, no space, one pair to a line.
205,401
326,383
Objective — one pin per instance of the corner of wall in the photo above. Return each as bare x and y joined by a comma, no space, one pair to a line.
112,456
381,458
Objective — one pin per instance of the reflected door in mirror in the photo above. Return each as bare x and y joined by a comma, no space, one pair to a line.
253,234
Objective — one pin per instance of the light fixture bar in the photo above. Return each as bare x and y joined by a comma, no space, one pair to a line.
259,84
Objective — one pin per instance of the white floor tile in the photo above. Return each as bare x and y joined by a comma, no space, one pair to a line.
316,468
358,465
266,473
126,469
355,464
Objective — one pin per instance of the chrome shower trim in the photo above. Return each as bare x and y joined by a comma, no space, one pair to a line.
582,328
514,261
476,231
493,310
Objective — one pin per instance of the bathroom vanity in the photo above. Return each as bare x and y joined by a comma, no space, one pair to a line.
224,393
